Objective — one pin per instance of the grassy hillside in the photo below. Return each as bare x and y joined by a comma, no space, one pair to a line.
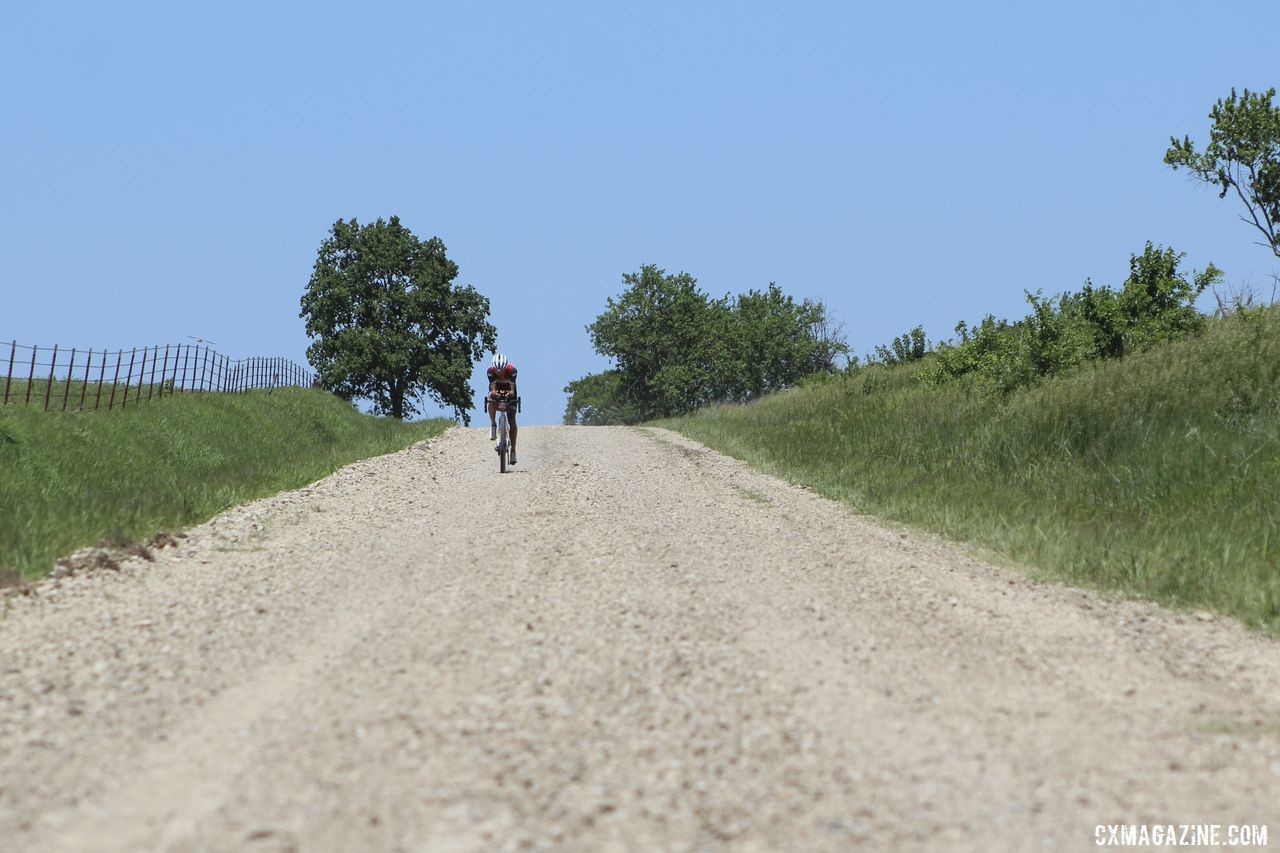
68,479
1157,475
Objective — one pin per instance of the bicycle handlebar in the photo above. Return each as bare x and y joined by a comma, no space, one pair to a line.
484,405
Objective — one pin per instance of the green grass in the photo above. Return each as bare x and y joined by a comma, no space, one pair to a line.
1156,476
68,479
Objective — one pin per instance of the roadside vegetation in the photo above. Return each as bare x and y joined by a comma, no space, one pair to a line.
68,479
1157,475
1114,437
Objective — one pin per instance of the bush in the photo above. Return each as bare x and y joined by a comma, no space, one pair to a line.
1155,304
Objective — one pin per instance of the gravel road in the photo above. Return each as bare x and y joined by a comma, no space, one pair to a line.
629,643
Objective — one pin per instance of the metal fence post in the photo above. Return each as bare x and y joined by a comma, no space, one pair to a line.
53,367
84,386
102,375
8,379
142,375
164,371
128,380
66,392
115,380
31,376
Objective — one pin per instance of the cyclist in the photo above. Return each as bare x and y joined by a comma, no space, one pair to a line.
502,386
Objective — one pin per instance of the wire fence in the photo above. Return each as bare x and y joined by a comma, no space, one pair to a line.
62,379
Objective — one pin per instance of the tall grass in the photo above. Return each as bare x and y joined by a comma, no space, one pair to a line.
1157,475
70,478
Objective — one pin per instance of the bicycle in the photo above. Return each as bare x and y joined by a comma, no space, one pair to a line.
502,406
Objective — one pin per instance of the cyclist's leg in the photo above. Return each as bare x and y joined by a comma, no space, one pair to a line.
511,429
493,419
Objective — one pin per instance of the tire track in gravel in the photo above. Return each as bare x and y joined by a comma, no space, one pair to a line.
656,648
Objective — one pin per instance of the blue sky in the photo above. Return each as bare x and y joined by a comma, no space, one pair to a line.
170,169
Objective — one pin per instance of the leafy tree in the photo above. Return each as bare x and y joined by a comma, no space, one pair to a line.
668,339
596,400
388,323
776,342
676,349
1242,157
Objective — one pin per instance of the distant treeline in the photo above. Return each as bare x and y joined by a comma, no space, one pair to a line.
675,349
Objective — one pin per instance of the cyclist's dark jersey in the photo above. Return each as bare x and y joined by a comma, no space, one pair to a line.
503,380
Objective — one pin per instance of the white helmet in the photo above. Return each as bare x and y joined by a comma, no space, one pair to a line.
499,361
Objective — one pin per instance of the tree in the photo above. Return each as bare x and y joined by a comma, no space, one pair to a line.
778,341
596,400
1242,157
668,339
388,323
676,349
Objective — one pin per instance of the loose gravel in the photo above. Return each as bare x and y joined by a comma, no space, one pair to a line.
628,643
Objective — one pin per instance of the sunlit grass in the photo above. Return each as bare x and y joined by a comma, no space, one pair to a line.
70,478
1158,475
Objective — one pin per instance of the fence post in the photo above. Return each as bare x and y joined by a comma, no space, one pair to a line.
53,368
102,376
115,380
186,360
129,379
204,372
142,375
31,373
66,392
164,371
84,386
8,379
151,383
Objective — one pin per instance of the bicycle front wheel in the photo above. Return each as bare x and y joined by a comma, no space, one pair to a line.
502,442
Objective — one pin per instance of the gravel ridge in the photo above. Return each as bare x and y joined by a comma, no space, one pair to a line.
629,643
